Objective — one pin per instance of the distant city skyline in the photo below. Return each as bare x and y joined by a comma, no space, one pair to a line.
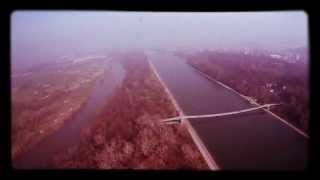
44,35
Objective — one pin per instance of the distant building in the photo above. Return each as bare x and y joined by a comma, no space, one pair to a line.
276,56
268,85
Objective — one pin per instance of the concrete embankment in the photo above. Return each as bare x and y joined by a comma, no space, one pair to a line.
205,153
252,102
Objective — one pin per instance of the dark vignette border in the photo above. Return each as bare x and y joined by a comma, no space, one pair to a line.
163,5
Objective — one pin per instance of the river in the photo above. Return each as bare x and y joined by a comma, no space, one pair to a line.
69,135
250,141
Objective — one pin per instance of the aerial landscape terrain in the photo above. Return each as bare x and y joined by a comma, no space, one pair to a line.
159,91
45,97
277,78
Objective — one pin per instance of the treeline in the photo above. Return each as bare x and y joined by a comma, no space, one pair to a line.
266,79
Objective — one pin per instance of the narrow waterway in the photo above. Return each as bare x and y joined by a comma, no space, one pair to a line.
250,141
69,134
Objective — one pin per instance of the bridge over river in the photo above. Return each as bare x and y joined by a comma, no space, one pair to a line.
255,140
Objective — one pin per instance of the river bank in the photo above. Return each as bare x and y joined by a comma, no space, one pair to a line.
46,99
251,141
127,135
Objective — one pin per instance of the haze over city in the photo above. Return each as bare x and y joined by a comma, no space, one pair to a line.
159,90
45,35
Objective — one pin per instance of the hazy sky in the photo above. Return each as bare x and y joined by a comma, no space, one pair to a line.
48,34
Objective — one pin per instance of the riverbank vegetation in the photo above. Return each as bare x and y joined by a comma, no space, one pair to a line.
45,97
127,133
265,79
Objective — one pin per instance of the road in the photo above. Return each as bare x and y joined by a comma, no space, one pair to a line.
250,141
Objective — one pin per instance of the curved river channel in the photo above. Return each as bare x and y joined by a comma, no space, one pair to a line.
69,135
251,141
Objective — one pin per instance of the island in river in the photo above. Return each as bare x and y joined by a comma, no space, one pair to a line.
125,132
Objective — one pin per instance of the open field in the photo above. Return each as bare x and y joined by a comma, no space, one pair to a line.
45,97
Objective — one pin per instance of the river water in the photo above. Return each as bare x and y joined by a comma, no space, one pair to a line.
69,135
250,141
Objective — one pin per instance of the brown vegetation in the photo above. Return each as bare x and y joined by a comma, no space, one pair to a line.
266,79
46,98
127,133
